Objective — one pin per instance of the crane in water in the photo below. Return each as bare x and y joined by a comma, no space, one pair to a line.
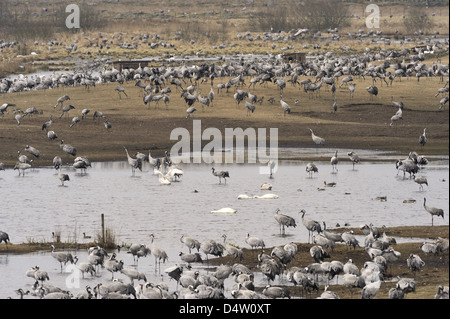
135,163
433,211
284,221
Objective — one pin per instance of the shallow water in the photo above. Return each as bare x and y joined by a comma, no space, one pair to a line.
35,205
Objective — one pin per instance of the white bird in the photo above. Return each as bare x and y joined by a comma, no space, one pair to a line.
316,139
133,162
433,210
161,178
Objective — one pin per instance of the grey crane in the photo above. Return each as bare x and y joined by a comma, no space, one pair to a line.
318,253
421,180
84,112
211,247
334,161
350,239
138,251
133,274
311,168
250,107
119,90
354,158
423,137
190,242
97,114
286,108
113,265
22,158
284,221
442,292
61,100
33,151
407,285
220,174
75,120
433,211
135,163
370,290
108,125
67,148
190,258
372,90
316,139
47,124
442,102
2,166
21,167
84,267
333,236
63,177
158,253
57,162
52,135
310,224
351,88
327,294
4,237
414,263
254,242
275,292
66,110
269,266
4,107
61,257
335,106
284,255
396,293
399,105
232,250
190,110
81,163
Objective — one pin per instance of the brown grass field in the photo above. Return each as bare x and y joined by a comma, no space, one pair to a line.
359,123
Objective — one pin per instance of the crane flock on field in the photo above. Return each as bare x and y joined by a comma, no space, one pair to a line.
154,85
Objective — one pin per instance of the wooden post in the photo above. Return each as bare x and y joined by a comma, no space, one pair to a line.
103,229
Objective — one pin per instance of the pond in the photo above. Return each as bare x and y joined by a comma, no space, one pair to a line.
35,206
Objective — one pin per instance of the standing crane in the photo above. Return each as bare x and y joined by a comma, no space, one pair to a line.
316,139
133,162
284,221
433,210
